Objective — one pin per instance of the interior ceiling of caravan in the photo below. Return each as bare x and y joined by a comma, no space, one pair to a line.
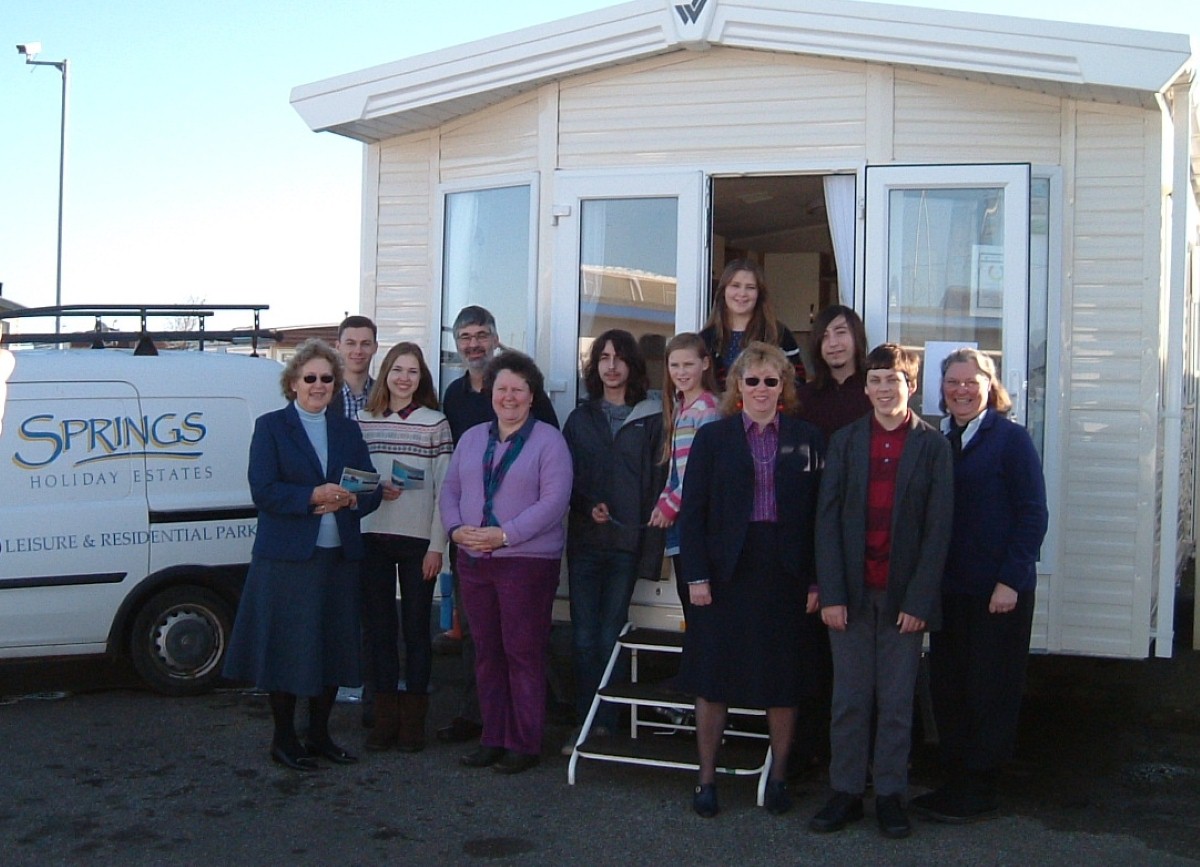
775,213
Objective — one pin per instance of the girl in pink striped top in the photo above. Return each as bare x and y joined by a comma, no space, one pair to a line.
689,402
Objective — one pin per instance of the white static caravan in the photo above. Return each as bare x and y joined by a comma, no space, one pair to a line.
1028,187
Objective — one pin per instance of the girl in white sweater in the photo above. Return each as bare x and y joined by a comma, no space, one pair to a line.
410,444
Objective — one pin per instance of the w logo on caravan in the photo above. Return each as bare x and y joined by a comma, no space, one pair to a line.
690,12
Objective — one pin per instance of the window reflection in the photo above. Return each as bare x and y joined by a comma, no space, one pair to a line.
627,276
946,272
486,262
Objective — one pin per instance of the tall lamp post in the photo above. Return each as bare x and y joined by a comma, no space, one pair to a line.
31,50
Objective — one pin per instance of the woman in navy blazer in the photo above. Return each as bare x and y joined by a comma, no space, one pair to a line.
297,628
977,661
746,548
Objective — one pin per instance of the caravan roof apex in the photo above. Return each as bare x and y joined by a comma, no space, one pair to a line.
1087,61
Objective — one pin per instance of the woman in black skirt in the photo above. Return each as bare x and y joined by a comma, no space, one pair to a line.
746,543
297,630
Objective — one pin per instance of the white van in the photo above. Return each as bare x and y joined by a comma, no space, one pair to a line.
125,516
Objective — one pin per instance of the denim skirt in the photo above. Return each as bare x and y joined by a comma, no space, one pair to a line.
298,628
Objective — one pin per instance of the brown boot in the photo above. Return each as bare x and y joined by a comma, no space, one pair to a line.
387,722
413,710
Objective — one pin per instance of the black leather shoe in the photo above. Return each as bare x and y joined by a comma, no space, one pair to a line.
327,749
482,757
459,731
704,800
292,758
841,810
776,798
893,822
515,763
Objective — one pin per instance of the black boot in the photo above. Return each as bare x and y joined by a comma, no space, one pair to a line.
286,748
319,743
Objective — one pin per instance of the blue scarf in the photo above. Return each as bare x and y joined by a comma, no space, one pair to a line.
494,476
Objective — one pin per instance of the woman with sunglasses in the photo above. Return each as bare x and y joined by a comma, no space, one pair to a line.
297,627
746,544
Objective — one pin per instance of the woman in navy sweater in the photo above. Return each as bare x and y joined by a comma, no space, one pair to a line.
978,659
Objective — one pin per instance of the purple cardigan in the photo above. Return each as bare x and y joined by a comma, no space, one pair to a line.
532,500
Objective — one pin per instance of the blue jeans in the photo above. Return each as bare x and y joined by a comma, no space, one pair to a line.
601,583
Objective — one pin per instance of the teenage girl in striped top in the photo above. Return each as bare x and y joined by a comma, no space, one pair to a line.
689,402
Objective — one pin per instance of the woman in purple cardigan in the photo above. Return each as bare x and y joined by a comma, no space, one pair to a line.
503,503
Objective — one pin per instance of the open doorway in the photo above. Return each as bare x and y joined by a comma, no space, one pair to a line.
782,222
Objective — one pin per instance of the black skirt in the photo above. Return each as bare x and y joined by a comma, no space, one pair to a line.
745,649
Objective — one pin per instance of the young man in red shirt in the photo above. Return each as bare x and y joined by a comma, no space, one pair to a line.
883,528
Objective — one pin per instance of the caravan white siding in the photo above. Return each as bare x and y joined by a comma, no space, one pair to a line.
1109,513
497,141
937,118
723,106
405,286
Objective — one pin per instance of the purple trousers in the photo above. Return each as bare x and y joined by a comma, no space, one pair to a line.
509,601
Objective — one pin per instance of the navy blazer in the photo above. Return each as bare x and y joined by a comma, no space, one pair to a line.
1000,514
922,514
284,469
718,499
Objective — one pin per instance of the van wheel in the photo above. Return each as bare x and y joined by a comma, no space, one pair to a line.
179,640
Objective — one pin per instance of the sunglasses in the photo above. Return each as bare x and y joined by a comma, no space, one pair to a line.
326,378
753,381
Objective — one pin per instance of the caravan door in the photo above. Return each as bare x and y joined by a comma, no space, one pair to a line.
630,251
947,265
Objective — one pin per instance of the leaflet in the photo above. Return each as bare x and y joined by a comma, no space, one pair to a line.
359,481
406,477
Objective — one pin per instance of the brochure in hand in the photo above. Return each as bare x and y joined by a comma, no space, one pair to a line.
359,481
407,478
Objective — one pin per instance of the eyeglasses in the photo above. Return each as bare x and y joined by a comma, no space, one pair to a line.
753,381
326,378
475,337
968,384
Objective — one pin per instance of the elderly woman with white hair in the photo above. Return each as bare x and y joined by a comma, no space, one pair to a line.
978,658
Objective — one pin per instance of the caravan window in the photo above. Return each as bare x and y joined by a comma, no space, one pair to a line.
627,275
486,260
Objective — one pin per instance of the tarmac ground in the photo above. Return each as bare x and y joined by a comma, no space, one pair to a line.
98,770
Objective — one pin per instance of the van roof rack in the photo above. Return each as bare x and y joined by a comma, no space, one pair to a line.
144,338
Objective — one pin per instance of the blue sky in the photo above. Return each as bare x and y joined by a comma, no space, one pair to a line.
189,175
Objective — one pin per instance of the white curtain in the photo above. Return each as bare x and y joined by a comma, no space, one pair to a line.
839,205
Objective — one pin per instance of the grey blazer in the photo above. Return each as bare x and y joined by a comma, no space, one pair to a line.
922,517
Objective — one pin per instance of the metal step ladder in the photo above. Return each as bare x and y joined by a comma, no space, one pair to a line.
741,752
